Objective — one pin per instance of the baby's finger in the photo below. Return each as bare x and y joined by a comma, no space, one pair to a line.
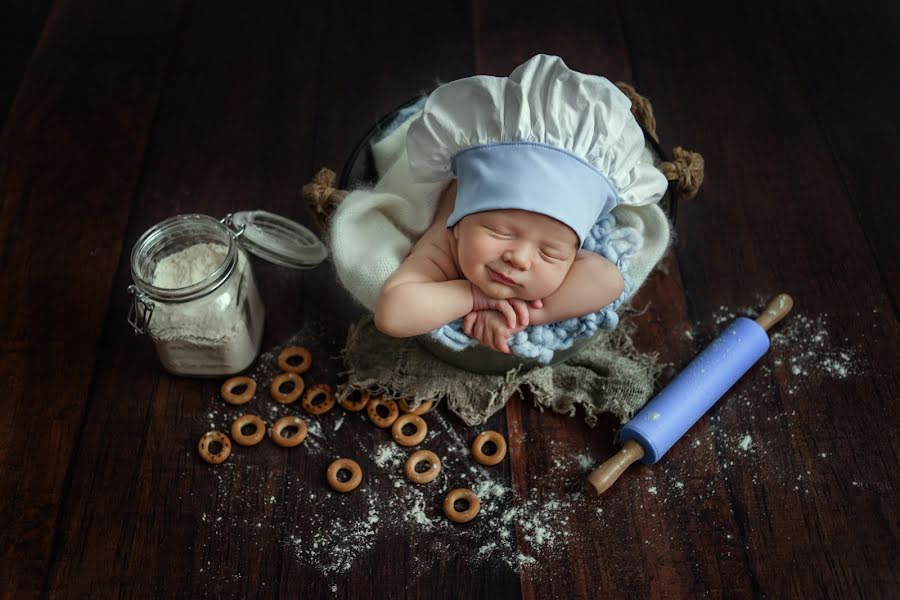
501,344
479,330
521,312
499,335
537,303
491,342
509,313
468,322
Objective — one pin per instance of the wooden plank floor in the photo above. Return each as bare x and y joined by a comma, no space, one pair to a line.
117,115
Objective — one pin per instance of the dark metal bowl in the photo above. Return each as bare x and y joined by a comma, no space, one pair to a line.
360,170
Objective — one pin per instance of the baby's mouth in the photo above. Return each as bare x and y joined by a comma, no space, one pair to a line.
500,277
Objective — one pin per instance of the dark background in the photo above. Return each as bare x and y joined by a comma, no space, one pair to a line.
117,114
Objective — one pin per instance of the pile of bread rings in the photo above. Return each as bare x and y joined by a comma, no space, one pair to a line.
319,399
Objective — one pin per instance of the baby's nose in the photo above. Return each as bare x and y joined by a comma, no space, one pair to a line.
518,258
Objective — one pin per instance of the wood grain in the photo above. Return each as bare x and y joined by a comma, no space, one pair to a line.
21,24
227,137
70,157
115,116
762,222
851,90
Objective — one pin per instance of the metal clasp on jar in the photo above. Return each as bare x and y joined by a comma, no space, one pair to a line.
141,310
228,222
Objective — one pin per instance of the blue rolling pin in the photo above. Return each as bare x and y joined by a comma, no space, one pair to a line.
668,416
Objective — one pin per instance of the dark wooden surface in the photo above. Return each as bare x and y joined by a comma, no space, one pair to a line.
117,115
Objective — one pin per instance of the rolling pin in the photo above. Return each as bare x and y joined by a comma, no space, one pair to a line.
662,422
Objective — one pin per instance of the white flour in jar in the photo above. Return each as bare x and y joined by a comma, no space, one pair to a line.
189,266
217,334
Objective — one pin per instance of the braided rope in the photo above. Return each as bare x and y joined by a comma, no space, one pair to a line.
687,168
322,197
640,108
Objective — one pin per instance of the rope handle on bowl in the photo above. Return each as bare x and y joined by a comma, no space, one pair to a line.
322,197
687,168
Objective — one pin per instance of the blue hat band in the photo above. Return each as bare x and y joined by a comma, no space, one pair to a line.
531,176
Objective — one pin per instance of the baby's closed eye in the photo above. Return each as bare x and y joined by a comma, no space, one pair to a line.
554,254
499,231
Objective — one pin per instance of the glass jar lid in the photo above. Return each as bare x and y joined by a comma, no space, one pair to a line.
277,239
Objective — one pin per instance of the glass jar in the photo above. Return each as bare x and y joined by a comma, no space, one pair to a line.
194,292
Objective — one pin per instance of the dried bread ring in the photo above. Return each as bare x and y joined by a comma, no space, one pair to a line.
291,351
377,419
252,439
285,422
420,410
244,397
409,440
466,515
286,397
489,459
420,456
357,405
209,438
355,475
314,392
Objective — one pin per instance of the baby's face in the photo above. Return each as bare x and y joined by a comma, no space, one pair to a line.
515,253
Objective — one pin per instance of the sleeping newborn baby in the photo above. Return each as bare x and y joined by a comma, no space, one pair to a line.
532,162
501,270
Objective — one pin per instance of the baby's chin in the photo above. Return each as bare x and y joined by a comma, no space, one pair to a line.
495,290
498,291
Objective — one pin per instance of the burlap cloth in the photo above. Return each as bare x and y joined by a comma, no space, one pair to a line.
607,375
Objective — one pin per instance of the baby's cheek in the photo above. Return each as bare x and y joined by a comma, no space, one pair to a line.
473,257
465,250
546,282
478,249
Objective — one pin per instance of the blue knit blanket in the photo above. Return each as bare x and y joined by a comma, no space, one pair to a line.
540,342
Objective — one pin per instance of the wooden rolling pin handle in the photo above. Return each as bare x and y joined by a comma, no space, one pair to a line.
606,474
778,308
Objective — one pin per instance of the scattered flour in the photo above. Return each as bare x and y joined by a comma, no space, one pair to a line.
802,345
390,455
333,533
516,528
804,355
585,462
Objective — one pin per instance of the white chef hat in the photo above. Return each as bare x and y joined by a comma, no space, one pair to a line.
545,139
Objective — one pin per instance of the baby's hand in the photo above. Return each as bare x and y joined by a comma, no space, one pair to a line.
515,311
491,328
